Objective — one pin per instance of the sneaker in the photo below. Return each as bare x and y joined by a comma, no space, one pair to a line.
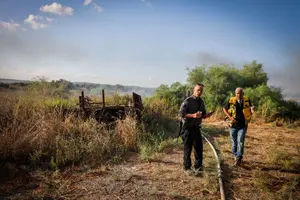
189,172
198,171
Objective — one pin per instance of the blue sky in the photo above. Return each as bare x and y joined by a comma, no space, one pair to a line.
147,42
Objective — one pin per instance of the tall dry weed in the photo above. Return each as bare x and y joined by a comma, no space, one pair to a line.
128,132
33,133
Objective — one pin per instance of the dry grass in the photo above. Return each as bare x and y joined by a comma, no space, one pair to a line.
161,178
210,176
275,188
287,159
261,179
270,168
128,132
36,136
33,133
218,115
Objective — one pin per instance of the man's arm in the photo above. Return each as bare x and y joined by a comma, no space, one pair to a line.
225,110
204,110
251,107
208,114
183,112
194,115
227,113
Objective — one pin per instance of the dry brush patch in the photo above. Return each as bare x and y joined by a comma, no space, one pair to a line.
38,143
33,125
33,136
270,168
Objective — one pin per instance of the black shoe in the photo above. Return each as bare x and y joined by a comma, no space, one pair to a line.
237,161
189,171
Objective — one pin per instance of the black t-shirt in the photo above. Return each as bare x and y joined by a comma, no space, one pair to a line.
240,118
192,105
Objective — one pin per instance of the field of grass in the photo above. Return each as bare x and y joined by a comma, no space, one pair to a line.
44,153
35,135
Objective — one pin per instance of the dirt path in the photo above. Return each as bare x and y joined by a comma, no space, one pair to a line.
270,170
271,164
162,178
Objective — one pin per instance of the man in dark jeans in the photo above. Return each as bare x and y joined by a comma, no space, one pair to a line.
238,111
192,111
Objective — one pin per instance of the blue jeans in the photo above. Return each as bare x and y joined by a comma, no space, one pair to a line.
237,136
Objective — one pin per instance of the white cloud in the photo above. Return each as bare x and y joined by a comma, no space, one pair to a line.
49,19
10,26
98,8
87,2
57,8
32,20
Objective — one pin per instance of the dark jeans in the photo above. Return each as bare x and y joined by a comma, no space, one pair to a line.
192,138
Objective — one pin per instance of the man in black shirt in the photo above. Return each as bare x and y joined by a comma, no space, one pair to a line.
238,111
192,111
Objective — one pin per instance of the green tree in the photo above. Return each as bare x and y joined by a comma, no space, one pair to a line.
252,75
221,80
196,75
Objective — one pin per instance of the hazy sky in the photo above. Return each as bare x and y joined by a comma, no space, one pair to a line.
147,42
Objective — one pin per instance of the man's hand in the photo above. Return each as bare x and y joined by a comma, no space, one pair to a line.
252,110
231,118
228,115
209,114
197,115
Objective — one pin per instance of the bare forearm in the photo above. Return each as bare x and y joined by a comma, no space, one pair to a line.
189,116
226,112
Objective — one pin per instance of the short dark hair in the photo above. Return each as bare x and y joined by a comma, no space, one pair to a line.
200,84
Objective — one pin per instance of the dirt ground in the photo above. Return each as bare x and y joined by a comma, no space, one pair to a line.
259,176
270,168
162,178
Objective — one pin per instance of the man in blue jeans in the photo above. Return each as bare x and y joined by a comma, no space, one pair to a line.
238,111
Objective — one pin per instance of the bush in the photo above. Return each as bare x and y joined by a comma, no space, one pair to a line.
33,132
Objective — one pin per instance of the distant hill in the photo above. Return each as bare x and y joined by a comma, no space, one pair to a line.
89,88
96,89
10,81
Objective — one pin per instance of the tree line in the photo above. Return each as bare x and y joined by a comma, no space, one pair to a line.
220,82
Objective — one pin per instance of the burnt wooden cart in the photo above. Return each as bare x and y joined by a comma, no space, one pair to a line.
109,113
